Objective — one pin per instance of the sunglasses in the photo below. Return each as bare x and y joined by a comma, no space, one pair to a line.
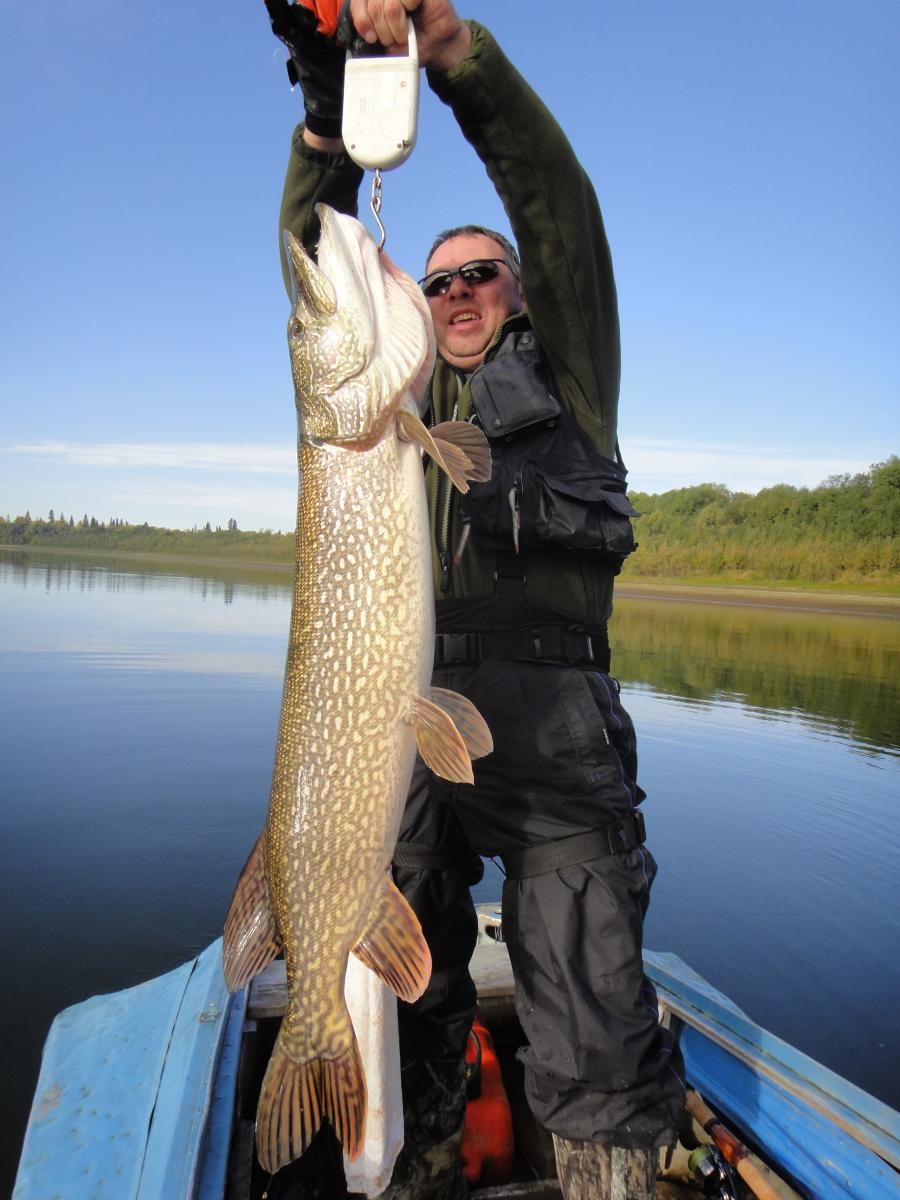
479,270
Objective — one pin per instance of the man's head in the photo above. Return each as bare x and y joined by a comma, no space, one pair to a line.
467,313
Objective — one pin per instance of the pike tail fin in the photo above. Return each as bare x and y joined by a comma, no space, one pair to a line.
394,946
252,938
296,1097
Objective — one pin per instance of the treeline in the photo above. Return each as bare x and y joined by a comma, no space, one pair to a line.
88,533
843,532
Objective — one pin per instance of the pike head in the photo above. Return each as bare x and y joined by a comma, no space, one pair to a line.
360,335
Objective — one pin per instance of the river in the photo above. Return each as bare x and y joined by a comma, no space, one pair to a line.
138,712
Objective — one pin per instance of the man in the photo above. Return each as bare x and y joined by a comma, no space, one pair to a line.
523,571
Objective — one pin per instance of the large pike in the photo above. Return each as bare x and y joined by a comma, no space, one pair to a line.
357,700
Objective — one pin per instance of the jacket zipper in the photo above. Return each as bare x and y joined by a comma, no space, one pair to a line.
443,499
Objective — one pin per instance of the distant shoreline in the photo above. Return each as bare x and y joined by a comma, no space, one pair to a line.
735,595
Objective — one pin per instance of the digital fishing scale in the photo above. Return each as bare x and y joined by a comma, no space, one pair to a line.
381,112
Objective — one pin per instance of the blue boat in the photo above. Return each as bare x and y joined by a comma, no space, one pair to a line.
148,1094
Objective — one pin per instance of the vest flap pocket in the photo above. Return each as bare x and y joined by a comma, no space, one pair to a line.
576,511
509,393
590,489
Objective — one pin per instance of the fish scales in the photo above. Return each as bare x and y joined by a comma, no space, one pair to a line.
340,781
356,701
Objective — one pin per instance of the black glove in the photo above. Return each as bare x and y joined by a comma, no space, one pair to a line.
316,63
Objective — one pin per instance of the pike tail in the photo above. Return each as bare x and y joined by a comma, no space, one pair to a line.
297,1096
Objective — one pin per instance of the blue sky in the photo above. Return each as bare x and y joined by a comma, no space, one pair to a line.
745,156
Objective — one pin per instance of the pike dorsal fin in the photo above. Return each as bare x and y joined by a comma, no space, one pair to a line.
252,939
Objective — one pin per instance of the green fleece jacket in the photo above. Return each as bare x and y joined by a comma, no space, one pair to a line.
568,282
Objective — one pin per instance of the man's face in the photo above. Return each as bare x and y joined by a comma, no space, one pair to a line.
467,316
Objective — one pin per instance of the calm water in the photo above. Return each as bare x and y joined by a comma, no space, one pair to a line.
138,710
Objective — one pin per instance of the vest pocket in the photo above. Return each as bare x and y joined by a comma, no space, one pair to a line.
577,511
524,504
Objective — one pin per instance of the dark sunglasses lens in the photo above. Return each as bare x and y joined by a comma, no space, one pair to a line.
479,272
472,273
437,284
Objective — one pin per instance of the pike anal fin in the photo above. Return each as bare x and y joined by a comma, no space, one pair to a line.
459,448
450,732
297,1096
393,945
252,938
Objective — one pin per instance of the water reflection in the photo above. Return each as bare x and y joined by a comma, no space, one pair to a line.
207,580
833,672
138,713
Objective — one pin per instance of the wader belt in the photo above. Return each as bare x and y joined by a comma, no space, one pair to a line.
420,856
556,645
616,838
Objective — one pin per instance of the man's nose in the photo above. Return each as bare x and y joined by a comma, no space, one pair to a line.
459,287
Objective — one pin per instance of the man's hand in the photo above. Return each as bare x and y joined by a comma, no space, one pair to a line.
443,39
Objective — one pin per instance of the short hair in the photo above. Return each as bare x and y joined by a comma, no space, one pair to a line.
509,249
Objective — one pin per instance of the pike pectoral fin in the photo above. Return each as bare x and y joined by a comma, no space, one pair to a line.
252,938
394,946
297,1096
470,440
451,460
467,719
459,449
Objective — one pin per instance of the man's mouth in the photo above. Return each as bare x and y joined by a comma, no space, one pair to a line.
465,315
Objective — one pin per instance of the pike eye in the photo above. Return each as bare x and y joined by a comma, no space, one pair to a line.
295,328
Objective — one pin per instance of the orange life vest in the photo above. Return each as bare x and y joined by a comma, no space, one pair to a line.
487,1142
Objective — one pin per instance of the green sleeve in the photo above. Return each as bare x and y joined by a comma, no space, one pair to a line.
551,205
314,177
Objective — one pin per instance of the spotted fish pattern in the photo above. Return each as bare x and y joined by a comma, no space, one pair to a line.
356,702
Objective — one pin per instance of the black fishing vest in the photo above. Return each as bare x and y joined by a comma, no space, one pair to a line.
549,487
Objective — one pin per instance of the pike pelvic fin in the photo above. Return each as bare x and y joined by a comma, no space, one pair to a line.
252,939
461,450
394,946
297,1096
447,749
440,742
467,719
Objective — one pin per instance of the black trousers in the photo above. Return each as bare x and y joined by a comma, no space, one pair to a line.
597,1065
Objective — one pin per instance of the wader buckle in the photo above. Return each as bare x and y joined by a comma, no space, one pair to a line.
624,835
457,647
570,645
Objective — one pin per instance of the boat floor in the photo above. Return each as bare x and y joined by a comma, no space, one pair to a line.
318,1175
